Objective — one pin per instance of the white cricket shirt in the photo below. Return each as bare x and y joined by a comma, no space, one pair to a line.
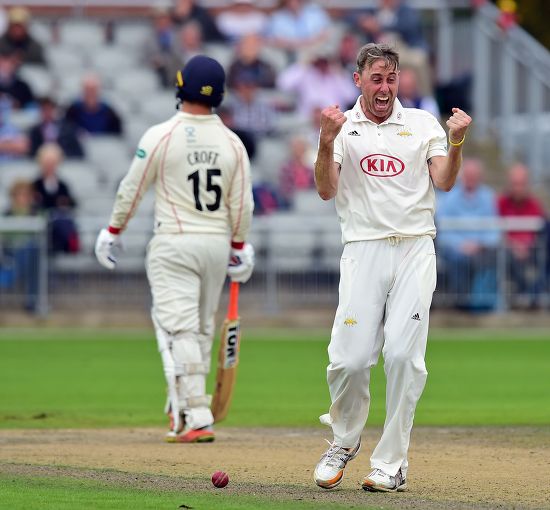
384,188
201,173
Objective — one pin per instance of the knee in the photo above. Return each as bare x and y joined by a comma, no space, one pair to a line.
349,368
402,360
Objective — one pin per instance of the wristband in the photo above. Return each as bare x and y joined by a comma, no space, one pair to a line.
458,144
237,245
113,230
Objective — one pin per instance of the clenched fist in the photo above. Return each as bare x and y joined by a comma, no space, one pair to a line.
458,124
332,120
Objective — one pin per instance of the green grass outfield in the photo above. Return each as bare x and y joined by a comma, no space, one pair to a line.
49,493
72,378
76,378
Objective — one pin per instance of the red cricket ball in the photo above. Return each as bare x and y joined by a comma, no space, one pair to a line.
220,479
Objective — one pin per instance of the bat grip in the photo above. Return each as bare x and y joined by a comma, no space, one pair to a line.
233,307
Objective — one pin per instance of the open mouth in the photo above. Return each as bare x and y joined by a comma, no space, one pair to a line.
382,102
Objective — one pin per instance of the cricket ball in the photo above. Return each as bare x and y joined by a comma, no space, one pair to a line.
220,479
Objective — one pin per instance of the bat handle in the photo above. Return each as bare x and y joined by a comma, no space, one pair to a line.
233,308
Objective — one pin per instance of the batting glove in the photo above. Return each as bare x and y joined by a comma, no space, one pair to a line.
105,248
241,263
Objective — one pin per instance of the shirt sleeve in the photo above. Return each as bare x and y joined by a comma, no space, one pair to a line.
339,147
241,203
438,140
142,173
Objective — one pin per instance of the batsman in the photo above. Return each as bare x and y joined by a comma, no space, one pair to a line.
203,209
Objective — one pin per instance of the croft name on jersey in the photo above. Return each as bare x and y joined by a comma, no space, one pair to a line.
382,165
209,157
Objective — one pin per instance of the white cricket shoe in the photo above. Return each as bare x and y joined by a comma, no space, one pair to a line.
379,481
329,471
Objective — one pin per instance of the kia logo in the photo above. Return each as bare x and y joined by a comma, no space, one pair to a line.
382,165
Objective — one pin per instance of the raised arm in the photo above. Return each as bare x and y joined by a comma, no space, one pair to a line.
327,170
444,169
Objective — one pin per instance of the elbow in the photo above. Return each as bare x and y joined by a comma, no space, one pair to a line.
326,195
446,187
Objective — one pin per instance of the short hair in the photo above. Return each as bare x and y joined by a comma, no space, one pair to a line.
372,52
20,185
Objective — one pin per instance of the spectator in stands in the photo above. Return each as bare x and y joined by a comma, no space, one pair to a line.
265,197
13,143
18,39
158,48
410,96
297,173
90,113
53,128
251,112
348,49
11,85
469,255
525,258
247,60
297,25
314,127
188,42
20,252
54,198
392,16
318,79
226,114
241,18
188,10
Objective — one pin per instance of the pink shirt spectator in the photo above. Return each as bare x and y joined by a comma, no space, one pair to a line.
320,82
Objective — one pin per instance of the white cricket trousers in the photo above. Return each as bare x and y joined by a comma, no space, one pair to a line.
385,294
186,273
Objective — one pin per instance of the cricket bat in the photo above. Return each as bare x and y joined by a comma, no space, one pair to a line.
228,357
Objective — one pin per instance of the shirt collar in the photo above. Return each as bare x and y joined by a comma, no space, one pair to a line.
397,116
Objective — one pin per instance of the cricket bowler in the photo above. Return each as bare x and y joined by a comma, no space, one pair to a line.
380,162
203,209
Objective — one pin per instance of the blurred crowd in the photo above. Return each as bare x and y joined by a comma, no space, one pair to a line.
283,67
295,59
469,256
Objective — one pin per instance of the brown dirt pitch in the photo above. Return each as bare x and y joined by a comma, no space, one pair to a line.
450,468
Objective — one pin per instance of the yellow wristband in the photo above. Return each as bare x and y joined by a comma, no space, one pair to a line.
457,144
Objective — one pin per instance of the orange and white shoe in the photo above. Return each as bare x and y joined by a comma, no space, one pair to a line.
203,435
329,471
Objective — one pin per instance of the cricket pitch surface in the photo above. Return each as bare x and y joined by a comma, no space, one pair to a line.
450,468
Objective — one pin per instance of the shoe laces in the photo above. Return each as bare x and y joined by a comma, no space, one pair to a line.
396,480
336,455
399,478
383,474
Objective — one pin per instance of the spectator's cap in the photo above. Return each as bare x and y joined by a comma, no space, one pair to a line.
19,16
202,80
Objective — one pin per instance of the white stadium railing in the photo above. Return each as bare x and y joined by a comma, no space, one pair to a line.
297,265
